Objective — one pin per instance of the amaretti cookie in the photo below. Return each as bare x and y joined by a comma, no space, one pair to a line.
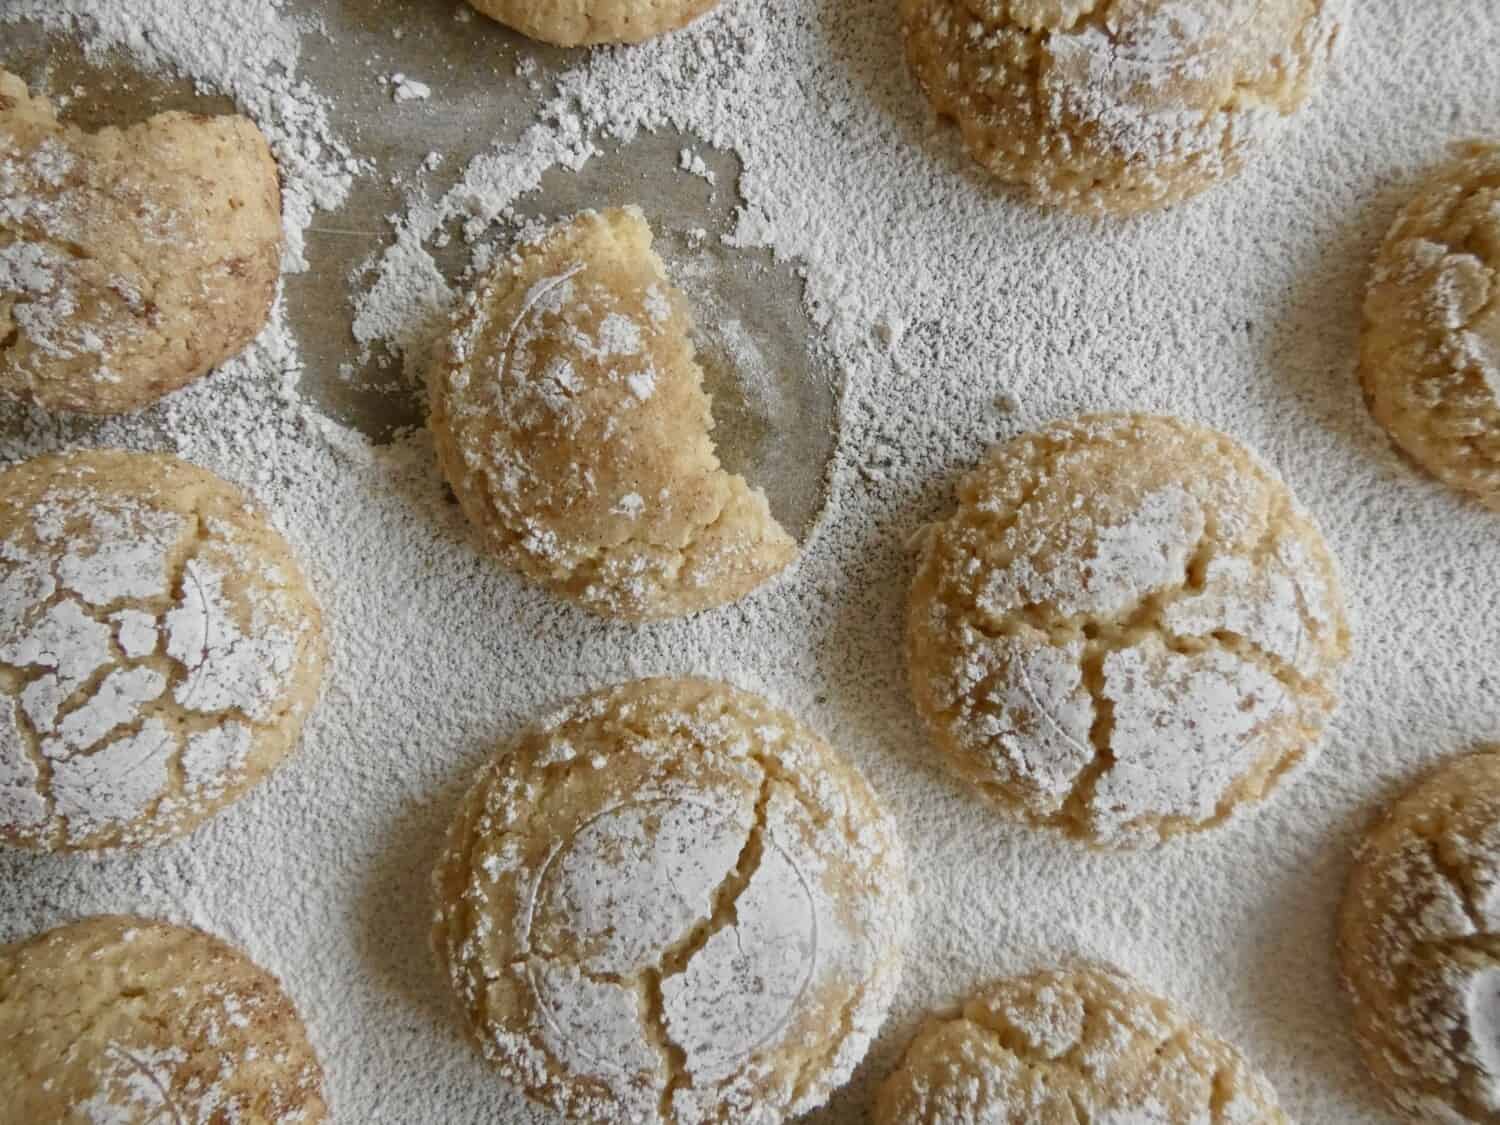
580,23
1420,937
669,902
1127,630
159,648
129,1020
131,260
1064,1046
570,418
1119,106
1430,354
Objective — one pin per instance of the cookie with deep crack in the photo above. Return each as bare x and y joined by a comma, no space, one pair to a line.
570,418
159,648
1430,353
123,1019
131,260
582,23
1058,1047
671,902
1127,630
1420,938
1118,106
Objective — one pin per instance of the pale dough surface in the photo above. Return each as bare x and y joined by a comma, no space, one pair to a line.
135,1022
578,23
131,260
1420,937
1430,355
1117,106
570,418
671,902
1072,1047
159,648
1127,630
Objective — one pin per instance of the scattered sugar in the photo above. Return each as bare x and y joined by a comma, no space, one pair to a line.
1238,310
404,89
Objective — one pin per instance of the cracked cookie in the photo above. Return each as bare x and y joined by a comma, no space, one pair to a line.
1059,1047
1430,353
159,649
579,23
123,1019
1420,937
570,419
131,260
1127,630
670,902
1117,106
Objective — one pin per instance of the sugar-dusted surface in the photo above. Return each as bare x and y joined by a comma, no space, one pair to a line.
958,318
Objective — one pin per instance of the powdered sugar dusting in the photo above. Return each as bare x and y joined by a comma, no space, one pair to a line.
1076,646
683,944
95,734
936,299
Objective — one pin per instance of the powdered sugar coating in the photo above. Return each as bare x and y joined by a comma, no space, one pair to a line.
116,1020
1077,1045
1118,106
572,423
1420,937
1126,630
693,913
1430,353
131,260
158,649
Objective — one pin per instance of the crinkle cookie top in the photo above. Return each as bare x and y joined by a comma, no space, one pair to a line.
670,902
1117,106
577,23
1420,936
1060,1047
571,420
1126,630
158,648
131,260
1430,358
114,1020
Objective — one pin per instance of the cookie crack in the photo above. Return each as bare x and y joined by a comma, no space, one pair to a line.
818,1067
723,915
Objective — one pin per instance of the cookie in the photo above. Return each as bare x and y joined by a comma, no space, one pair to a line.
132,260
1123,106
1126,631
570,419
1430,353
128,1020
1420,938
670,902
159,649
577,23
1059,1047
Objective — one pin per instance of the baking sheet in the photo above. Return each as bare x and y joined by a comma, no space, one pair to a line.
775,401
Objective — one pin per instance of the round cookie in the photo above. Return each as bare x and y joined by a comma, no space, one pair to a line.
1127,629
1430,353
1062,1046
1420,938
124,1019
131,260
670,902
1120,106
570,418
578,23
159,649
